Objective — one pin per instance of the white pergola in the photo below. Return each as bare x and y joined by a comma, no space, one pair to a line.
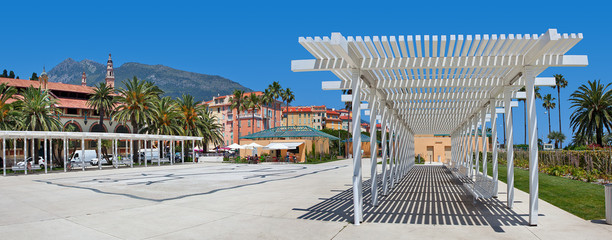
48,137
440,85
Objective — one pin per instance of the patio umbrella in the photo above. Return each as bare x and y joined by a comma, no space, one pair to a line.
251,146
234,146
276,146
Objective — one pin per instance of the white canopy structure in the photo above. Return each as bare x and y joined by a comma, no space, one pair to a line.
49,136
439,85
235,146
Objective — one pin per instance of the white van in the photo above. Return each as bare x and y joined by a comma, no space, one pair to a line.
89,155
149,154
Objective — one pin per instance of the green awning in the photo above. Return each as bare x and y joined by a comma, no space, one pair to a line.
289,132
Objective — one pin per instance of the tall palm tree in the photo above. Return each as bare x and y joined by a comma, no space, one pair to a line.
593,110
135,102
266,100
253,102
39,111
537,94
164,118
189,111
287,97
9,114
548,105
103,100
196,121
560,82
276,92
237,102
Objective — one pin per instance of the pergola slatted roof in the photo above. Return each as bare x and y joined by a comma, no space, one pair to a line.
429,74
450,85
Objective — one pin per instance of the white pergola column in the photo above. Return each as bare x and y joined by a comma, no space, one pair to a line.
477,147
374,146
483,134
4,156
392,162
509,147
145,152
100,153
182,151
393,146
386,146
470,158
356,102
161,155
131,151
25,155
82,153
530,75
65,152
50,162
494,142
45,156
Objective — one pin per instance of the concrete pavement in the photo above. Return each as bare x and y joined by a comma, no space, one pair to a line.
233,201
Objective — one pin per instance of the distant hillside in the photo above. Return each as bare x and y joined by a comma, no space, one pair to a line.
173,81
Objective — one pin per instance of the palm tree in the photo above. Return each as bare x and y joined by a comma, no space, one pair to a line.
237,102
287,97
537,94
39,111
164,118
196,120
253,102
593,110
548,104
560,82
276,92
103,100
266,99
9,115
557,137
135,102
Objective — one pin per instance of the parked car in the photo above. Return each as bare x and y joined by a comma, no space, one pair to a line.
41,163
87,157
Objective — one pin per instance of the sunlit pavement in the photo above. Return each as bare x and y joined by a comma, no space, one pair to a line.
270,201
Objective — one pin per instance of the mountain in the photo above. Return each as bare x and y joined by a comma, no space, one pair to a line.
174,82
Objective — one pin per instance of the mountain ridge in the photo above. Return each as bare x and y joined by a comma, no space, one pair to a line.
173,81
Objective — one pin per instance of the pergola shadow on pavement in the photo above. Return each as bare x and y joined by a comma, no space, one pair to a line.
427,195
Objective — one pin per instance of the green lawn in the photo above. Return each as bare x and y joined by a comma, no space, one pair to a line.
585,200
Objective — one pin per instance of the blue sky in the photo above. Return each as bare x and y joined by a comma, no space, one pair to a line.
253,42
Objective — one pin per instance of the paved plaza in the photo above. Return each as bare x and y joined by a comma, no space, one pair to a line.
287,201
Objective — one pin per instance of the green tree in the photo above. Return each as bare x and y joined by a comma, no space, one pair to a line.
39,111
103,100
276,92
34,76
560,82
253,102
9,114
548,105
196,121
557,137
164,118
287,97
11,75
592,104
4,74
237,102
266,99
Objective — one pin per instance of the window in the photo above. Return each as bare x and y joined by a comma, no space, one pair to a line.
218,110
72,111
249,124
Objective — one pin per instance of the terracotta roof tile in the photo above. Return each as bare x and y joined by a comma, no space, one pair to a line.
20,83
